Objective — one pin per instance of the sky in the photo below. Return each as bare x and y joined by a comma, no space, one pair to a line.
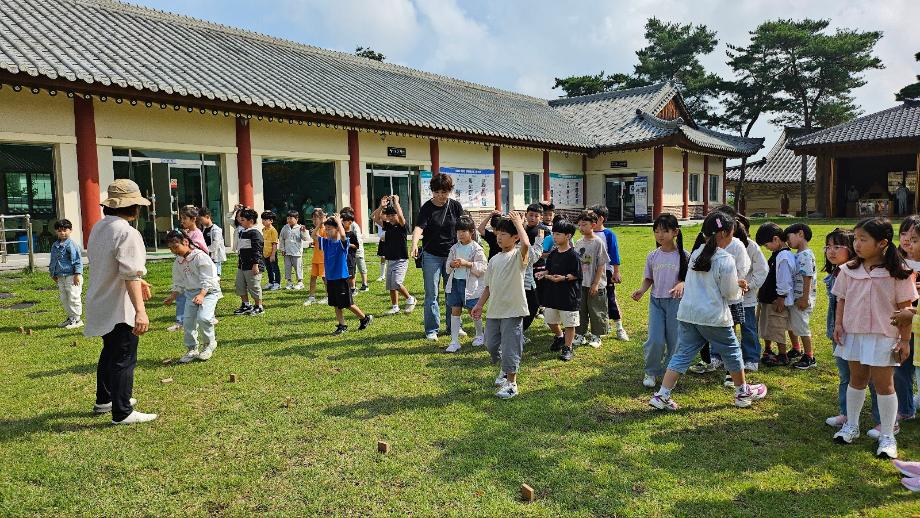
522,45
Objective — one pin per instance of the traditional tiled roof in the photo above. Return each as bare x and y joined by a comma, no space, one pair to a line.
781,165
628,118
114,44
901,123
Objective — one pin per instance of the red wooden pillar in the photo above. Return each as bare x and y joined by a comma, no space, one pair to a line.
435,156
705,185
497,166
87,164
685,210
244,161
546,190
658,193
354,176
584,179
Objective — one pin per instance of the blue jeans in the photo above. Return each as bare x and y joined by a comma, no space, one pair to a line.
750,341
218,265
662,334
692,337
199,318
180,308
434,273
273,270
903,388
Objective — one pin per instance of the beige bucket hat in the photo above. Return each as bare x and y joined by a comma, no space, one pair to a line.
124,193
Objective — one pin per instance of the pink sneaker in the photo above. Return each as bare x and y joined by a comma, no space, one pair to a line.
755,392
911,483
908,468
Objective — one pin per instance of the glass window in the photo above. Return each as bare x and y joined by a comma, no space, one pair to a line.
298,185
532,192
506,191
27,183
714,191
694,187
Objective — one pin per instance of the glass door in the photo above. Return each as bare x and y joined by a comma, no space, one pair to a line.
613,195
629,199
142,172
385,183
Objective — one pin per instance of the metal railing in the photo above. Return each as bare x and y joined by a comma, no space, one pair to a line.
4,244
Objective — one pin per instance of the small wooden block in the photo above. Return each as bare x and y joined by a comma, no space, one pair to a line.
233,378
287,401
166,380
526,493
22,330
29,332
168,361
74,344
383,447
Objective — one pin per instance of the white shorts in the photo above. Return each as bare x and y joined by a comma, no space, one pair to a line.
868,349
799,320
560,317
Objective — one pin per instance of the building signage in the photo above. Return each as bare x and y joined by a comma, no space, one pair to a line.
640,191
396,151
473,188
617,164
566,190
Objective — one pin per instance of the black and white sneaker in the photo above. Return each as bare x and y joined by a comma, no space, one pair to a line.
805,363
364,287
339,329
366,321
244,309
557,344
567,354
793,354
257,310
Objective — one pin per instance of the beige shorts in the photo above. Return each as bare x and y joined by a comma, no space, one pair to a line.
772,325
799,320
560,317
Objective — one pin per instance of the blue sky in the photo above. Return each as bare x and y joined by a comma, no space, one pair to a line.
522,45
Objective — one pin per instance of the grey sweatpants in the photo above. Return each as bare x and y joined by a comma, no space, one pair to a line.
293,262
505,342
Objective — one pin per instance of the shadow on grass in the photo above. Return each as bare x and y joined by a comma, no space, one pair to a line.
89,368
54,422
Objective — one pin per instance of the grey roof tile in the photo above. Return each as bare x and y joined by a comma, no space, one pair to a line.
781,165
897,123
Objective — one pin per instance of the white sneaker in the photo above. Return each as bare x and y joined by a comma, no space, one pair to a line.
410,305
189,356
65,323
716,364
136,417
452,348
310,301
648,381
208,351
175,327
298,286
74,324
433,336
837,421
392,311
379,279
594,341
102,409
847,434
876,432
290,286
501,379
887,447
621,335
461,333
322,300
508,391
663,404
479,341
579,340
751,366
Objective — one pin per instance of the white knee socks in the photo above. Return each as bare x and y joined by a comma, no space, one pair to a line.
455,329
855,400
887,412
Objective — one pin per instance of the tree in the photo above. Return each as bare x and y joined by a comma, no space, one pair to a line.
816,72
575,86
369,53
910,91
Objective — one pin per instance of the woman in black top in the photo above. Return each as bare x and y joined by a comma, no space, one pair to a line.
436,226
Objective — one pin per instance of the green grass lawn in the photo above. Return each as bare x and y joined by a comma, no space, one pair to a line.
580,433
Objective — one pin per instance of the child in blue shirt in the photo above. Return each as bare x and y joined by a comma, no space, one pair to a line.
66,268
613,271
335,256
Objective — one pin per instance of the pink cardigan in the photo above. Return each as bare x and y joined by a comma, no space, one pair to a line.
871,297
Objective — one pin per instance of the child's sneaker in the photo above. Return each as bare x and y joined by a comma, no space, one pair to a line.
621,335
751,366
876,432
394,310
452,348
432,336
462,334
379,279
778,360
298,286
257,310
594,341
366,321
793,354
310,301
501,379
136,417
887,447
567,354
479,341
65,323
244,309
648,381
192,354
74,324
364,287
289,286
175,327
728,382
410,305
508,391
753,393
339,329
837,421
208,351
701,368
661,403
557,344
716,364
805,363
579,340
847,434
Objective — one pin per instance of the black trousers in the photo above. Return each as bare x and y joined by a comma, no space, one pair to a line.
613,309
115,372
533,305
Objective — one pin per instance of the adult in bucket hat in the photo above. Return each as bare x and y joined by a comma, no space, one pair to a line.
115,300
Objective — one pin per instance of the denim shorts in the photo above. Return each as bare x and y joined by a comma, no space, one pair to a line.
692,337
455,299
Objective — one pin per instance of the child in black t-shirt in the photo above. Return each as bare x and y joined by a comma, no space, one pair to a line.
562,278
390,217
354,244
250,264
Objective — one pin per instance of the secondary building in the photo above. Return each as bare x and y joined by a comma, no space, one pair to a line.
210,115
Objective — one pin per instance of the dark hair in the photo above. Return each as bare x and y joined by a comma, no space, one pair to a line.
767,232
204,212
908,223
714,223
293,214
727,209
668,221
466,223
493,221
547,206
795,228
586,215
269,215
507,226
389,210
879,229
838,236
248,214
330,222
131,211
563,226
557,218
63,224
535,207
177,235
600,210
441,182
317,211
347,215
189,211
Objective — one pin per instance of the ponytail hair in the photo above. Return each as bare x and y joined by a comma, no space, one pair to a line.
668,221
879,229
714,223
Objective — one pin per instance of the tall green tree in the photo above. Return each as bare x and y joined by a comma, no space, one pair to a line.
816,71
910,91
369,53
673,52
